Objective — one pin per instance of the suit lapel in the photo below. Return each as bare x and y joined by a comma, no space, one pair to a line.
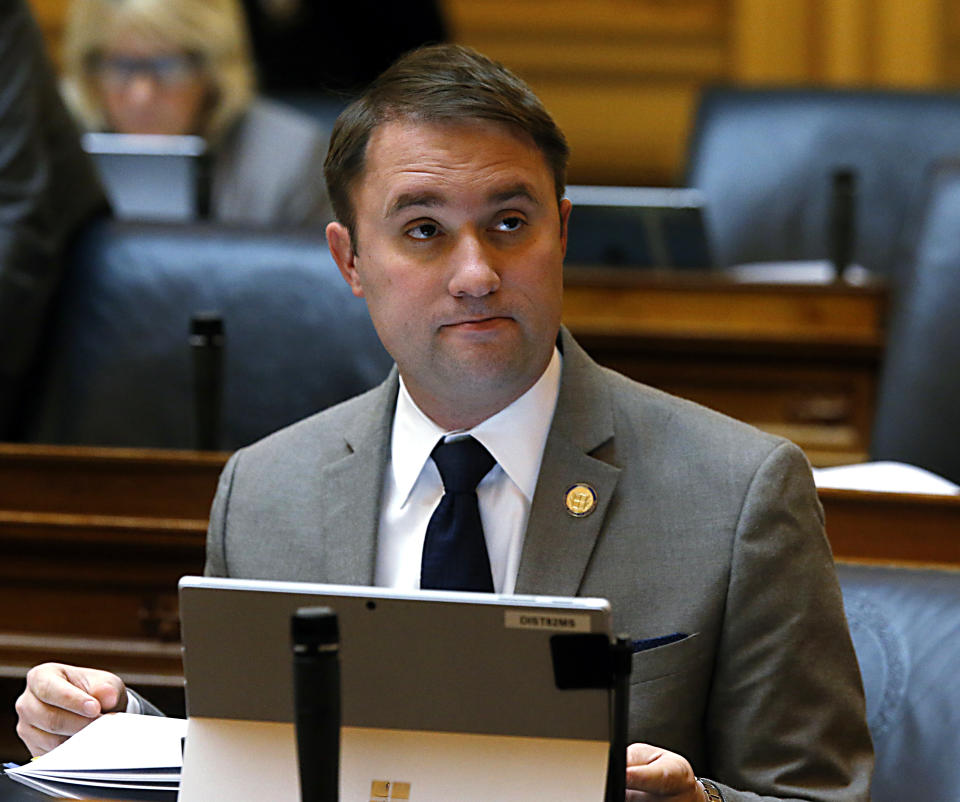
558,545
352,487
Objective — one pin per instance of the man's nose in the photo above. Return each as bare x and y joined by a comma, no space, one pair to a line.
474,268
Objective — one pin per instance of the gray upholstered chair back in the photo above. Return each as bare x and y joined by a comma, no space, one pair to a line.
918,402
119,369
905,625
765,157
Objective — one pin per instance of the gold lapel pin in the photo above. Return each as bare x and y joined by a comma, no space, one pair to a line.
581,500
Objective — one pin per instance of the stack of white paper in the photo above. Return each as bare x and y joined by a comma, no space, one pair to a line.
885,477
118,756
808,271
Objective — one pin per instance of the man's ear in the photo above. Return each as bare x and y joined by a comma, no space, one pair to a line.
341,248
565,207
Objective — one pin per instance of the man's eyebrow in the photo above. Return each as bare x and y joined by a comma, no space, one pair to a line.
408,199
517,191
430,199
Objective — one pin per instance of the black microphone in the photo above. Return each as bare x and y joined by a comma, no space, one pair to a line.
204,185
206,344
843,219
316,694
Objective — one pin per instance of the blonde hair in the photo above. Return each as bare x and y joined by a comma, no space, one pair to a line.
214,29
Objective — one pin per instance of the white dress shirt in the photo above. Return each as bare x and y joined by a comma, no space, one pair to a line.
412,489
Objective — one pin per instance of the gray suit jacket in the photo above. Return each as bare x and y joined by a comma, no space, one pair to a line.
704,526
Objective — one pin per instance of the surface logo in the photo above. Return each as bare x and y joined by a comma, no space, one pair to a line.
381,790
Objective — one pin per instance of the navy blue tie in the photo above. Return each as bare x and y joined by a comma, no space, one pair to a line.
454,550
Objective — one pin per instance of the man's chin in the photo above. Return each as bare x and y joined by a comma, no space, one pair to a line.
490,367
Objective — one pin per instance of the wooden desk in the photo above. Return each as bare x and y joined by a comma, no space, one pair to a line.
800,360
94,541
901,528
124,525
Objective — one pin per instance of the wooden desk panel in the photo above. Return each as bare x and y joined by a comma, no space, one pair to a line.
900,528
713,305
104,571
94,541
99,588
123,481
796,360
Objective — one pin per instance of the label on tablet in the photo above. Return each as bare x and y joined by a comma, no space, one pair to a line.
538,619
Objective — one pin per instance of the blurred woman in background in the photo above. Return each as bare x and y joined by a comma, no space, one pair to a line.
184,67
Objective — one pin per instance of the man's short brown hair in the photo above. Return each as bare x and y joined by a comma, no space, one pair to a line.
438,83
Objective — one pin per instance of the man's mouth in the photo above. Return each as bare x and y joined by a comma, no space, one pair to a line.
478,323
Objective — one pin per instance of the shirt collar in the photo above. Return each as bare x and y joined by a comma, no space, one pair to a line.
515,436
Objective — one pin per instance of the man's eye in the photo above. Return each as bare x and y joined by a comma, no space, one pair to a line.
423,231
511,223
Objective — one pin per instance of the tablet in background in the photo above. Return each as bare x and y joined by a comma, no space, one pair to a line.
640,227
149,176
437,688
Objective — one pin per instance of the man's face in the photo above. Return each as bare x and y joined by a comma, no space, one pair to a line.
460,250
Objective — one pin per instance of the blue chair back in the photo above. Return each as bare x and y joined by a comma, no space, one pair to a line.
764,158
917,418
905,624
119,368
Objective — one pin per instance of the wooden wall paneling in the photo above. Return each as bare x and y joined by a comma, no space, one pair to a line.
909,40
51,16
951,43
623,134
588,18
620,76
846,55
770,41
890,43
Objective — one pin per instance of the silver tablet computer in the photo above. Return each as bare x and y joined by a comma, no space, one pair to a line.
637,227
451,694
150,177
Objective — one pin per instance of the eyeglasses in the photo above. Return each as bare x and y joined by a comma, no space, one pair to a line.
170,71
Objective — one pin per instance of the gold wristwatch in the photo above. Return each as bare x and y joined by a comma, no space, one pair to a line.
712,792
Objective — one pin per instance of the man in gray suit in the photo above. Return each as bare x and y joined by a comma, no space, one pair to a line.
447,177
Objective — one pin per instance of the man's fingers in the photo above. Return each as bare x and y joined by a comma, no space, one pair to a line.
61,700
642,754
659,772
62,687
49,718
651,769
108,689
36,740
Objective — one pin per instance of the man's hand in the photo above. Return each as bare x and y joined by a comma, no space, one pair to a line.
61,700
654,774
